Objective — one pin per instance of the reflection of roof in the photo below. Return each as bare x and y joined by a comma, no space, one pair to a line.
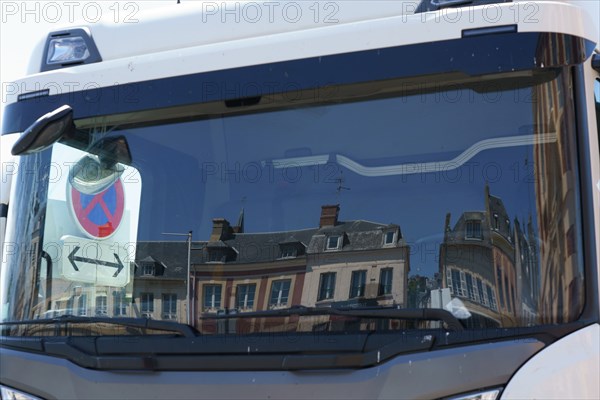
358,235
243,248
266,247
216,244
172,256
291,240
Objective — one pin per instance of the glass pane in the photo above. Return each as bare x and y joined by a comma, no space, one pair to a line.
386,198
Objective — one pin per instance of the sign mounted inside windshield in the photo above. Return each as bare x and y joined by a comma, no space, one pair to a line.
90,228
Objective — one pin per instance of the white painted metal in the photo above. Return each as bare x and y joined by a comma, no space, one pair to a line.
178,42
567,369
192,38
9,169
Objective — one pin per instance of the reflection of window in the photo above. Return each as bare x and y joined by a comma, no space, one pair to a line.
500,288
357,284
492,298
288,252
280,291
473,229
470,288
119,304
147,300
101,305
385,281
482,294
212,297
245,296
169,306
326,286
333,242
506,287
512,293
82,305
389,238
148,269
457,283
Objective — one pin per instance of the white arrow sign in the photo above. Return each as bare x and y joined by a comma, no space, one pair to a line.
91,261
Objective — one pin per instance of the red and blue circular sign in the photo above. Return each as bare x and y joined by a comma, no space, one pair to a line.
99,215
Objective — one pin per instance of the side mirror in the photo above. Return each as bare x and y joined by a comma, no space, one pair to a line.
46,131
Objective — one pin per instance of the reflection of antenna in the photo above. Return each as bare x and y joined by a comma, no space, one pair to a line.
340,182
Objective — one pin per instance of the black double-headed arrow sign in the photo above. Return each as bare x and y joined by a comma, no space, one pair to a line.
118,264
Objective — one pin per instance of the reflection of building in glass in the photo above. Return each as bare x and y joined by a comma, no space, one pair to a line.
355,262
561,286
337,264
482,265
341,264
528,273
159,282
244,272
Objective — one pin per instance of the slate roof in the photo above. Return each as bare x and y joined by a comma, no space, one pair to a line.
171,255
358,235
266,247
243,248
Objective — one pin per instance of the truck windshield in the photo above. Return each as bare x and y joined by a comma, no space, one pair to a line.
459,197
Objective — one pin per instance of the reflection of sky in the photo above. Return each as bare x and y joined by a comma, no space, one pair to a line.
194,172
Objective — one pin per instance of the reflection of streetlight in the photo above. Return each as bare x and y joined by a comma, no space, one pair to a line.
187,279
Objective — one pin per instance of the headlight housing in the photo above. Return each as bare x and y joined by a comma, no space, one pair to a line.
485,394
7,393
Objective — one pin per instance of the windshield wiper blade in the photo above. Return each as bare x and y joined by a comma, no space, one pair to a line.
436,314
143,323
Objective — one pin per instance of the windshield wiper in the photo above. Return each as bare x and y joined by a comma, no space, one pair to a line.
436,314
142,323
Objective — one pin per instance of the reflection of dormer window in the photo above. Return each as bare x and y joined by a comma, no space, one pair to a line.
389,238
333,242
473,229
148,269
215,255
288,252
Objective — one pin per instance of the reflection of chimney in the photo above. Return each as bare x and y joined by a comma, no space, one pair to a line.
221,230
329,215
